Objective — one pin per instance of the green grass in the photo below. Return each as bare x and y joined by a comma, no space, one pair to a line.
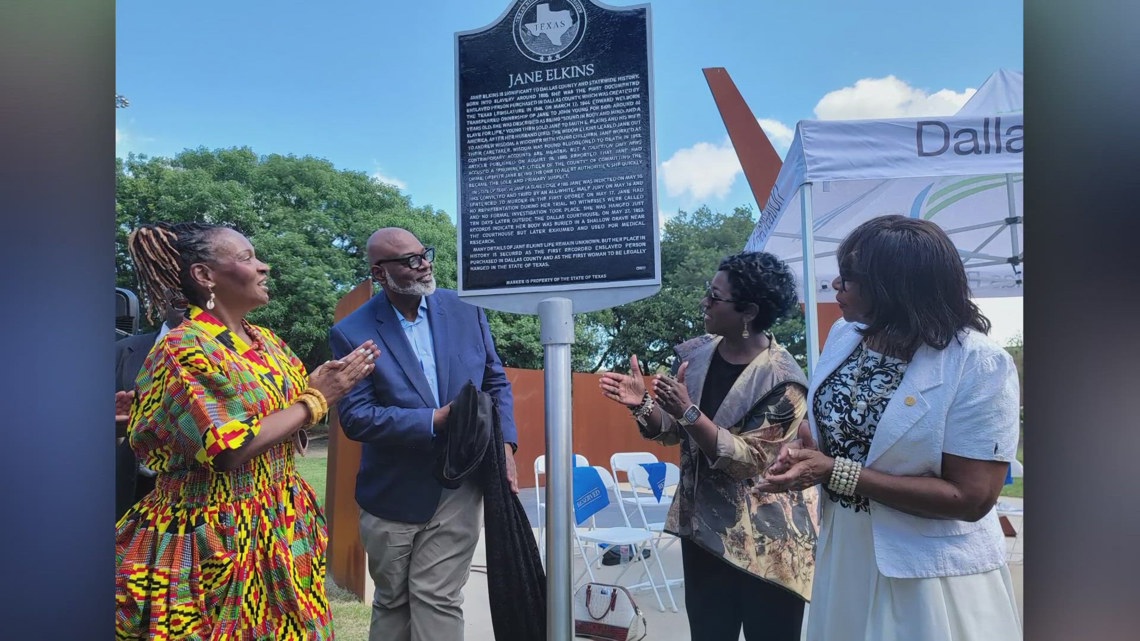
313,469
350,617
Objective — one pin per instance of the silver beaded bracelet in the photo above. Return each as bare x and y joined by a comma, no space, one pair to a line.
844,476
641,412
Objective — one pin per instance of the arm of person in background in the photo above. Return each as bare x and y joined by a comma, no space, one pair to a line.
123,400
124,389
364,418
496,384
979,442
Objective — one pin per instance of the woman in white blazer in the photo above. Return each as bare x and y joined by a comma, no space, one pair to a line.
913,413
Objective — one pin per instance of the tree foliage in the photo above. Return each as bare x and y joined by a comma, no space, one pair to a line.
309,221
519,341
692,246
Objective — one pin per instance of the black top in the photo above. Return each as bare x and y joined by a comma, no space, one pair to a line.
718,382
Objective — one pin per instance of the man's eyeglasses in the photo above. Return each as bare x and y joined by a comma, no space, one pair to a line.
713,298
415,261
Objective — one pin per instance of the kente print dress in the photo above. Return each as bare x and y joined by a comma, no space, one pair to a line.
237,555
852,600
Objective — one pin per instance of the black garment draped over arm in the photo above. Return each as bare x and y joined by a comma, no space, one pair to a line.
516,584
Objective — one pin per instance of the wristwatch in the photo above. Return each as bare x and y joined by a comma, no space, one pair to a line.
692,413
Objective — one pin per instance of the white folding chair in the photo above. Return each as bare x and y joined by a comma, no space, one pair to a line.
638,539
540,502
639,483
621,463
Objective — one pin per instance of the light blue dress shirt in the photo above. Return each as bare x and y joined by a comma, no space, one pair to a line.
419,337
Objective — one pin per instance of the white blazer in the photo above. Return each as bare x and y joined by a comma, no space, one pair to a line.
962,400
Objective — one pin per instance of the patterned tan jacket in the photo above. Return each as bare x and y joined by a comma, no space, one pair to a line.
771,536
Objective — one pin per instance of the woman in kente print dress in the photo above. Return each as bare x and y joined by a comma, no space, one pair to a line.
231,543
915,413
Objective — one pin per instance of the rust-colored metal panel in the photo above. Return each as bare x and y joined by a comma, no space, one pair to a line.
758,158
826,314
345,551
601,427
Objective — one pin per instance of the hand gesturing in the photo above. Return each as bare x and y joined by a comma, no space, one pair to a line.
627,389
671,393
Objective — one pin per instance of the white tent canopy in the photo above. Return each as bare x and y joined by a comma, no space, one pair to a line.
1001,93
963,172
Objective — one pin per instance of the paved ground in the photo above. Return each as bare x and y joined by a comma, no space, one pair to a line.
663,625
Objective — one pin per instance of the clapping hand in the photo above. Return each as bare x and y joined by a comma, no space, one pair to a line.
123,400
671,393
803,440
783,475
335,378
627,389
803,468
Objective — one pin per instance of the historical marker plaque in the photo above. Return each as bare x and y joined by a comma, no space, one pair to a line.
557,186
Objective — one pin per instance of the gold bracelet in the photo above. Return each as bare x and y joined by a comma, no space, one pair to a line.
313,404
316,393
311,407
313,393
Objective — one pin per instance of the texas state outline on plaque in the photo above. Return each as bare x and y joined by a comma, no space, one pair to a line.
552,24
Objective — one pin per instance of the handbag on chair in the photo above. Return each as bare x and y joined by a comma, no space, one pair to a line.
603,611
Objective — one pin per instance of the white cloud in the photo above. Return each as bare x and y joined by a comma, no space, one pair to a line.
395,182
888,98
778,133
127,142
703,170
662,218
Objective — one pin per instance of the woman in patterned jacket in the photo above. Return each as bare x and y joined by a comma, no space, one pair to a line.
736,398
231,543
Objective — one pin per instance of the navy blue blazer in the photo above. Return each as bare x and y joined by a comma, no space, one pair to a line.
390,411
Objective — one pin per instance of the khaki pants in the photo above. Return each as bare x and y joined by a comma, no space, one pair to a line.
420,569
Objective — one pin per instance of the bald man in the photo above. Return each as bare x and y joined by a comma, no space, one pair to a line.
419,536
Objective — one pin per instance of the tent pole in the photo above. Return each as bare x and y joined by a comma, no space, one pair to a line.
1012,214
811,311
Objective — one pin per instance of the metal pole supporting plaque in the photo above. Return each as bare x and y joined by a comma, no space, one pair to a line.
557,322
557,209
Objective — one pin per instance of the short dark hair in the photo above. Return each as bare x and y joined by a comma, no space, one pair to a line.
763,280
912,278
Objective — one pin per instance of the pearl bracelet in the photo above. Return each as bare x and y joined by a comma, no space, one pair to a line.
844,476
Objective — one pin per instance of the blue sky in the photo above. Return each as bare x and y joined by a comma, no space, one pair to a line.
370,84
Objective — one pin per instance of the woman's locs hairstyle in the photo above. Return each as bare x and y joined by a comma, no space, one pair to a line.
162,254
763,280
913,280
